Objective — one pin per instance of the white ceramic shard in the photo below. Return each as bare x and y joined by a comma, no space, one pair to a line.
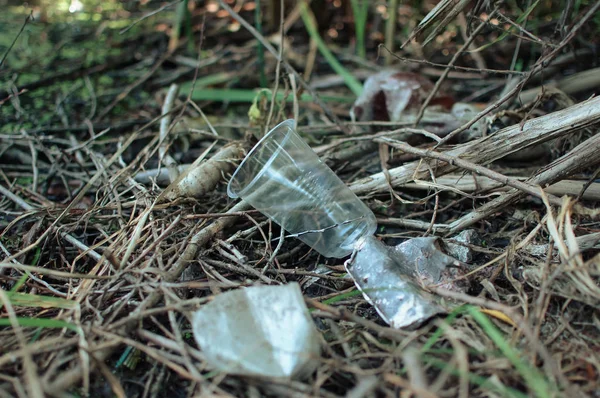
258,331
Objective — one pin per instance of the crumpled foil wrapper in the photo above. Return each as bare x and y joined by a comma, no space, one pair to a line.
393,278
463,252
262,331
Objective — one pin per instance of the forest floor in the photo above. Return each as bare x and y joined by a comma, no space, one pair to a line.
104,258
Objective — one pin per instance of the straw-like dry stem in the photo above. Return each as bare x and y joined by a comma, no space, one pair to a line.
488,149
581,157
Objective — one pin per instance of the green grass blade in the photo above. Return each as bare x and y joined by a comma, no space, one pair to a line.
439,332
180,16
41,323
535,380
34,300
342,297
390,31
505,34
247,96
19,283
352,83
482,382
216,78
360,11
25,276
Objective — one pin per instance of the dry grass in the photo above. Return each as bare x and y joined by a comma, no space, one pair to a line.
101,267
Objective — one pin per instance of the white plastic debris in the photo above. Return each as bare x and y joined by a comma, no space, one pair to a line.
389,95
390,278
458,246
427,264
392,95
283,178
258,331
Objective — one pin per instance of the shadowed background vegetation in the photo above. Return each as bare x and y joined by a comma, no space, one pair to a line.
103,256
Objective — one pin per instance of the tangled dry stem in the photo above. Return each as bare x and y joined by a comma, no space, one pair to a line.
130,268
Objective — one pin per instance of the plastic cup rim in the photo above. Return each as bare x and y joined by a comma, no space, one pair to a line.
287,123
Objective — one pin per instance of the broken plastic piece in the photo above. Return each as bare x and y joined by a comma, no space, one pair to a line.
422,259
259,331
283,178
390,94
458,246
398,96
390,278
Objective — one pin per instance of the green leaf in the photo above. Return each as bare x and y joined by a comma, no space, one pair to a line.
535,380
352,83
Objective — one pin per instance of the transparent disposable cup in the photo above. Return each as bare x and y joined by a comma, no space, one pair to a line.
283,178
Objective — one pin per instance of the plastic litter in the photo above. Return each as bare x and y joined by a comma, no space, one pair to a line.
390,278
458,246
259,331
283,178
398,301
390,95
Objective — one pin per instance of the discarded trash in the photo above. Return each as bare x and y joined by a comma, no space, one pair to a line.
284,179
389,94
399,301
396,96
458,246
258,331
390,277
423,259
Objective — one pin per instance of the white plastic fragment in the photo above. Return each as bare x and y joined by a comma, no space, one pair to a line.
258,331
422,259
458,246
389,95
392,95
386,286
390,278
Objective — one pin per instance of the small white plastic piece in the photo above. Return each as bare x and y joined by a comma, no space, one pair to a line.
258,331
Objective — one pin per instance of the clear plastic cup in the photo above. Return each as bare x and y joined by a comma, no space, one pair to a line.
283,178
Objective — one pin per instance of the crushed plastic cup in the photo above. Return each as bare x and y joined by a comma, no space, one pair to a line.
263,331
390,278
283,178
